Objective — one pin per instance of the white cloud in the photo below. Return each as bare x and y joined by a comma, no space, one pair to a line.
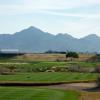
80,15
49,4
42,6
59,4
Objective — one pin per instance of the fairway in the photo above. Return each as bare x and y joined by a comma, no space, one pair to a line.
48,77
13,93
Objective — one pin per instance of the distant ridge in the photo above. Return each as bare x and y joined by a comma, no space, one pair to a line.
33,39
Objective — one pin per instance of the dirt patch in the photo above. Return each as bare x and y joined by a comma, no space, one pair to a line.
83,85
51,57
72,86
90,96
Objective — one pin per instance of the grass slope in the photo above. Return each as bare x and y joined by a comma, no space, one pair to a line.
48,77
13,93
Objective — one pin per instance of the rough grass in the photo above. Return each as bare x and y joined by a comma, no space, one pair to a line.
84,64
35,64
46,64
13,93
49,64
49,77
64,64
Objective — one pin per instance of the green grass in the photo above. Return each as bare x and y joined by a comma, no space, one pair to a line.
49,64
48,77
85,64
44,65
13,93
62,64
37,64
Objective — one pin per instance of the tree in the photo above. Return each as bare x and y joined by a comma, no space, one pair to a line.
72,55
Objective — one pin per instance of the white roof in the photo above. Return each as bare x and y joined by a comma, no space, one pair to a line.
9,50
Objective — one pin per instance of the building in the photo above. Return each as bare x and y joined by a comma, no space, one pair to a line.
9,51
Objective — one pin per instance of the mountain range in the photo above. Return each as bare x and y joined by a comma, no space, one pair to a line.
33,39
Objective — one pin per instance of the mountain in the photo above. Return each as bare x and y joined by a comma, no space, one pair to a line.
33,39
91,43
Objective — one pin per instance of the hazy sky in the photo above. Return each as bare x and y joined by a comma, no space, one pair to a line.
76,17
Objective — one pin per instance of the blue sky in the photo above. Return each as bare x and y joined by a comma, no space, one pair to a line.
76,17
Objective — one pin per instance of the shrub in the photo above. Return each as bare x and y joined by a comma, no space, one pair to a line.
97,69
72,55
98,82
